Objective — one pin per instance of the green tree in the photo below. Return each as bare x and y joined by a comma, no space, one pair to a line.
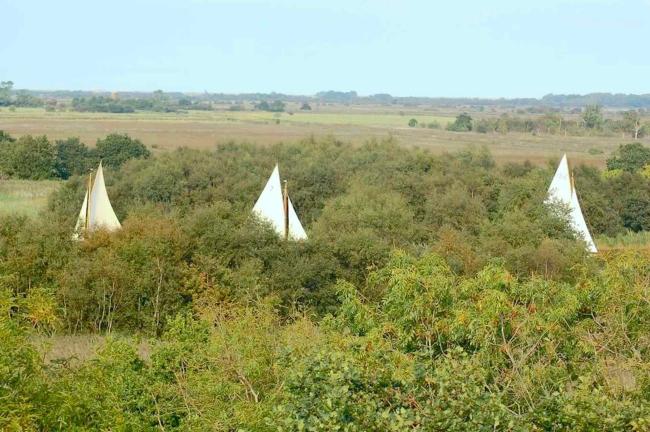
72,157
32,158
593,117
275,106
413,123
463,123
629,157
636,213
5,92
116,149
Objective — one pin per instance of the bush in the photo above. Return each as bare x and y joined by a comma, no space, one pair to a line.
629,157
463,123
32,158
73,158
116,149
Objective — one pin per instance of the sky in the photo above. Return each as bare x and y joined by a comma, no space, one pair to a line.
470,48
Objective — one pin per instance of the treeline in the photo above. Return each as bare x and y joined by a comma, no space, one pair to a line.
160,102
37,158
549,101
591,121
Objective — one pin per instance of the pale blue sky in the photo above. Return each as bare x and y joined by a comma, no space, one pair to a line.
407,48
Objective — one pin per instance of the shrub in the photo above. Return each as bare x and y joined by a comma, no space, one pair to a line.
116,149
463,123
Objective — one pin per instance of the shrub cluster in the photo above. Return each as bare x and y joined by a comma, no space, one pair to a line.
434,293
432,351
37,158
188,233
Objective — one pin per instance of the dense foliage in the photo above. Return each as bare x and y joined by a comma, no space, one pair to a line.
38,158
416,347
434,293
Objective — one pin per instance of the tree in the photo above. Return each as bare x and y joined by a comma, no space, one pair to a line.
5,92
463,123
629,157
413,123
636,213
305,106
593,117
276,106
632,123
72,157
31,158
116,149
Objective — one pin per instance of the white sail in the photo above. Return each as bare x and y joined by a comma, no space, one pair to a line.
81,220
562,192
270,207
560,189
580,224
101,212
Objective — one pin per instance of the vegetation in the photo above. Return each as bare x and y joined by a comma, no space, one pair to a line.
36,158
463,123
275,106
629,157
435,292
433,351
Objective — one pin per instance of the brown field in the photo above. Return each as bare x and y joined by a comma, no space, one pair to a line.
203,130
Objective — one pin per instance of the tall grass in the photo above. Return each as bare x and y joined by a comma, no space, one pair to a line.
25,197
628,240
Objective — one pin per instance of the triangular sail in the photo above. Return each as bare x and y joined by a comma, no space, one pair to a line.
580,224
81,220
96,210
101,211
269,206
562,191
296,231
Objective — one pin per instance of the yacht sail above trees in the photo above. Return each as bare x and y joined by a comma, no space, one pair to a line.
275,206
563,192
96,210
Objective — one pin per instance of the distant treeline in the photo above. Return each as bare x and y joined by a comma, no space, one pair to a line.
610,100
591,121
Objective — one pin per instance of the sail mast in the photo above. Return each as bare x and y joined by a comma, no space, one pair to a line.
285,203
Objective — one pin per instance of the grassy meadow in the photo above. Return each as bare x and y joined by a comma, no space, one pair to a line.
354,124
25,197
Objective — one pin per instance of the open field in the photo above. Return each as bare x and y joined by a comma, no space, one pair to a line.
204,129
25,197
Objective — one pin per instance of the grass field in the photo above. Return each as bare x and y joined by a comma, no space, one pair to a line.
25,197
204,129
630,240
